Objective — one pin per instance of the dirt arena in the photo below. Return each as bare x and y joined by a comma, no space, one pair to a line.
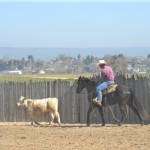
22,136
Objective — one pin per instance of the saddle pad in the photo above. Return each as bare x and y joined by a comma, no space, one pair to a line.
111,88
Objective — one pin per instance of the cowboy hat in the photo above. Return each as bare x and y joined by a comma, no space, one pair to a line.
101,62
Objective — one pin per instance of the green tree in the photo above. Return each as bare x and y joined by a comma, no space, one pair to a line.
148,56
87,60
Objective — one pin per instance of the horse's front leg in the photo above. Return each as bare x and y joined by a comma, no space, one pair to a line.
102,115
88,113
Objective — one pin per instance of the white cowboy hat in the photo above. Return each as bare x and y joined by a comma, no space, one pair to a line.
101,62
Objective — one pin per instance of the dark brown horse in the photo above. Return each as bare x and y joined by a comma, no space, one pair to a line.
122,96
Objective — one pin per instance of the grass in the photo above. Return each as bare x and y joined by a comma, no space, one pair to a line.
39,77
52,77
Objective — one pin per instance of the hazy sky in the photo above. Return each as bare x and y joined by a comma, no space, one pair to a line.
74,24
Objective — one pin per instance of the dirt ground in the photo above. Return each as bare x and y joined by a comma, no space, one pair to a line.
23,136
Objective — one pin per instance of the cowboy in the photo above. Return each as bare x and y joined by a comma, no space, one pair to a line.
107,78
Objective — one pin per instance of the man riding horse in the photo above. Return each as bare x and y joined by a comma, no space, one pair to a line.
107,78
108,93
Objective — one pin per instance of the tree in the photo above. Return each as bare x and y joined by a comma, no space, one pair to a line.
30,61
87,60
120,55
79,56
148,56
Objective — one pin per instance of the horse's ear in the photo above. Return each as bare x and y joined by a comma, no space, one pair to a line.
79,78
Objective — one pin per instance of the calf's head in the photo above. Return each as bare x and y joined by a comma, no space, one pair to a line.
21,101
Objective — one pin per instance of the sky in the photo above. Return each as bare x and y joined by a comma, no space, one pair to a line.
74,23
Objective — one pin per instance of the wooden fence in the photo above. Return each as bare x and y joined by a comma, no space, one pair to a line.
72,107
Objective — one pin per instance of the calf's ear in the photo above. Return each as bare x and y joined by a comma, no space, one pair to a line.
24,98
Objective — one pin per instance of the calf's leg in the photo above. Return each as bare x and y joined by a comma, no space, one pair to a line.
57,116
51,118
33,121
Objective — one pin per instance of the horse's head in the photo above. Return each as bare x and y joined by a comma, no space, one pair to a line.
81,84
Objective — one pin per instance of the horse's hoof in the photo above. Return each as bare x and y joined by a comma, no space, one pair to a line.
88,125
119,124
142,123
102,125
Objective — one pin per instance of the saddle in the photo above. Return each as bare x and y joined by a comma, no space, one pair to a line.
111,88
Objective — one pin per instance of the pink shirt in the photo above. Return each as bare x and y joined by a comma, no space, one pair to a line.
107,74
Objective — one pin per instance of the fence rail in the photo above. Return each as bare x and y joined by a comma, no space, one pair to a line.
72,107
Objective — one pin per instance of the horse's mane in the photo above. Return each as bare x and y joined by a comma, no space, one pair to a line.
89,80
92,80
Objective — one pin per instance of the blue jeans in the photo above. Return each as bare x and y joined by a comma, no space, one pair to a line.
101,87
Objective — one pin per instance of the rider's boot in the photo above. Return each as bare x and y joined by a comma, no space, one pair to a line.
97,102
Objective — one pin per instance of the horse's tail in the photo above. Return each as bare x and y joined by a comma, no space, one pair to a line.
143,114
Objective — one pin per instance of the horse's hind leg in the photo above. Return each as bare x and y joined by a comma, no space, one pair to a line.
123,112
102,115
136,112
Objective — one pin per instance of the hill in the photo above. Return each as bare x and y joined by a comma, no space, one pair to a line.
52,53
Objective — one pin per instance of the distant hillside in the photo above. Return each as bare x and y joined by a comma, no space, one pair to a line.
52,53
